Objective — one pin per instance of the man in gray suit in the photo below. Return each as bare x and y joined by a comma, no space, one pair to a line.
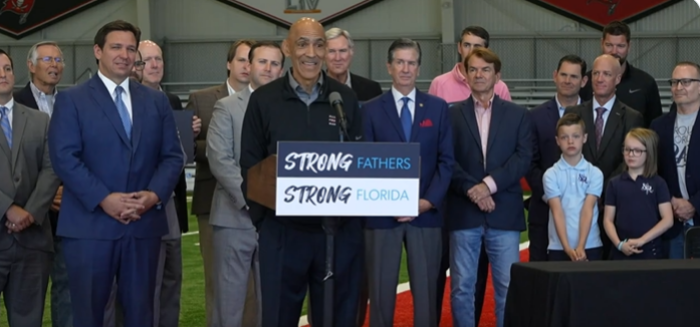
202,102
235,240
27,190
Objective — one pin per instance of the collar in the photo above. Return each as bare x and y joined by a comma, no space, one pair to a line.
582,164
347,80
490,104
398,96
293,82
250,88
9,105
608,105
626,176
556,98
111,86
36,91
627,72
457,74
231,91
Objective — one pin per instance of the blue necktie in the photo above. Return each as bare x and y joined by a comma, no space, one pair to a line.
5,124
123,112
406,120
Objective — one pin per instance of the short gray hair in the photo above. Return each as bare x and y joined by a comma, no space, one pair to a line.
336,32
33,54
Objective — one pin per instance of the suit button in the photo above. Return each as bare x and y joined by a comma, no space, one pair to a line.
16,179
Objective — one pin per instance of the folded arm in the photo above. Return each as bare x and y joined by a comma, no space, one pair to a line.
519,162
171,157
44,191
220,152
440,182
65,146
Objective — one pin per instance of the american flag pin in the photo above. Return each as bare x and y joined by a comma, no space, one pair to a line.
331,120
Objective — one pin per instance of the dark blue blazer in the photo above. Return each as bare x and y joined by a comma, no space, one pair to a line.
664,127
382,124
508,159
91,154
545,152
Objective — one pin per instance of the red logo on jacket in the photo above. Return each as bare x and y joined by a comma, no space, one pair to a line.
426,123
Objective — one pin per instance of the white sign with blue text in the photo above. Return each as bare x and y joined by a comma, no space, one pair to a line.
348,179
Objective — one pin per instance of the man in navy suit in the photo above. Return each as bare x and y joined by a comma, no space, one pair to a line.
569,77
114,144
493,151
405,114
679,164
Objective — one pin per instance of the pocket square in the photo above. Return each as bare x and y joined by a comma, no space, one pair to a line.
426,123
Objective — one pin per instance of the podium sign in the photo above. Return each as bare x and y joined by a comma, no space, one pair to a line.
347,179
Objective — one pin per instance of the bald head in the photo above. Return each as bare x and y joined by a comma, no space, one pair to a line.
306,48
153,58
607,59
605,76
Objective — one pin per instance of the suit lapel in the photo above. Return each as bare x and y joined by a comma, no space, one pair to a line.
106,103
389,105
19,120
419,114
553,113
497,114
587,115
6,147
694,139
138,108
611,126
469,115
222,92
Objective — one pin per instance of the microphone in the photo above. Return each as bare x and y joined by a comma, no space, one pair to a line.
337,102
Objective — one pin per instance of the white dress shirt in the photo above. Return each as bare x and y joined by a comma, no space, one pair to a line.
112,89
399,102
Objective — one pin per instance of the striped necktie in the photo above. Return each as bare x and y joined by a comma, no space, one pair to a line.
123,112
5,124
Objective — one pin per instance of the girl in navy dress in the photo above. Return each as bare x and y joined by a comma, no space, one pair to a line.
637,202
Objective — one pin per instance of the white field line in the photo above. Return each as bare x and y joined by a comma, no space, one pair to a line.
304,320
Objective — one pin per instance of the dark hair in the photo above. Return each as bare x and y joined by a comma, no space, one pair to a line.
114,26
617,28
570,119
117,25
2,52
268,44
476,31
573,59
403,43
691,64
234,47
485,54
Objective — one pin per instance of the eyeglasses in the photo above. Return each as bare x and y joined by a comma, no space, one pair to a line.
633,152
49,59
139,64
684,81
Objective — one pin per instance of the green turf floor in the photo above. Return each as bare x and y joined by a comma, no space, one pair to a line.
192,312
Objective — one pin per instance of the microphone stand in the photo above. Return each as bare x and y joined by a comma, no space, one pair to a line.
330,226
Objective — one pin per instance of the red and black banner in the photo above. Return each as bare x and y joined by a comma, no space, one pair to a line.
598,13
19,18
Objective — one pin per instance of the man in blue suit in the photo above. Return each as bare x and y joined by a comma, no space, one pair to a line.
679,164
114,144
569,78
405,114
493,151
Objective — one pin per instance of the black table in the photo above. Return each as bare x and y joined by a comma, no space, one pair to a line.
604,293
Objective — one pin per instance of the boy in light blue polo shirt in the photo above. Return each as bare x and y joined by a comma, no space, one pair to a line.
572,188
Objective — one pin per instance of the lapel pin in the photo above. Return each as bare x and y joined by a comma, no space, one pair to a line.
420,104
